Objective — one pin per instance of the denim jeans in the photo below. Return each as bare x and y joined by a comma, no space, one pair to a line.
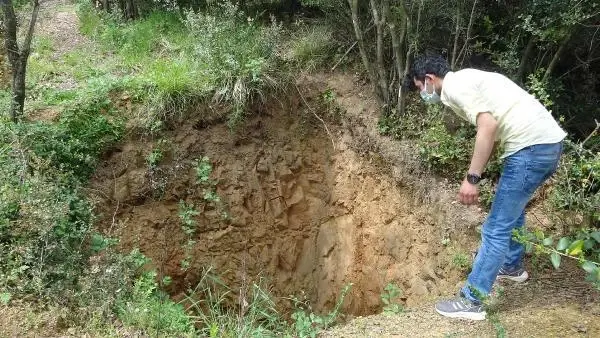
523,172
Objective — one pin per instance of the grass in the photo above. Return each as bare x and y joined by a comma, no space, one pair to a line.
312,47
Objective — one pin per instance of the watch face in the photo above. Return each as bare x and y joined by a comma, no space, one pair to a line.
473,179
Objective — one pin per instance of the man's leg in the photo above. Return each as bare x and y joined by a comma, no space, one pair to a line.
513,265
523,172
507,209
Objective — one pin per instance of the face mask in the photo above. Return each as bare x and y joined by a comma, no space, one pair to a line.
430,98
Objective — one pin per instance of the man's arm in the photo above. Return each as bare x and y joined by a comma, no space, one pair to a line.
487,126
484,142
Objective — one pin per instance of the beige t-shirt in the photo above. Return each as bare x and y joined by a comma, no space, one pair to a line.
522,120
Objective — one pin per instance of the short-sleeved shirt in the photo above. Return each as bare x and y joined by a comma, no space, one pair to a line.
522,120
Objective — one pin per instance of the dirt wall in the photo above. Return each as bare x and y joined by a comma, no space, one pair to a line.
306,214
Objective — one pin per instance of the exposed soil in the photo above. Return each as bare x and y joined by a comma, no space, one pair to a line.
307,216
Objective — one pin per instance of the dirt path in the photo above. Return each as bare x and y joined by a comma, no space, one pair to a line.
58,21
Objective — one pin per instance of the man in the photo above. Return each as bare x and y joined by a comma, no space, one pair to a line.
501,111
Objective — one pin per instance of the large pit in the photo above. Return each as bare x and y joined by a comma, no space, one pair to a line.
309,216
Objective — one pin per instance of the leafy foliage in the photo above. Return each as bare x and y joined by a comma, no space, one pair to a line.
584,247
390,295
309,324
577,185
152,310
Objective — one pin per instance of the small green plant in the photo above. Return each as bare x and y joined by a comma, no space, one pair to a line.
157,153
154,157
150,309
309,324
390,296
203,171
5,298
461,260
497,324
187,212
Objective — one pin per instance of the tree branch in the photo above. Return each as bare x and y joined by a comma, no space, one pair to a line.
29,36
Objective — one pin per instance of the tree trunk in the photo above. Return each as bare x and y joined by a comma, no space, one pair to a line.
456,36
556,57
361,46
524,58
18,88
463,51
130,10
380,19
398,41
17,57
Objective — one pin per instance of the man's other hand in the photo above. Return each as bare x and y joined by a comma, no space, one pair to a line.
468,194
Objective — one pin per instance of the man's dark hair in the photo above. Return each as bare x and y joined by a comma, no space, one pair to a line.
426,64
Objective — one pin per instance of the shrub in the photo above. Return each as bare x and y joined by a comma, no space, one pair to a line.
75,141
150,309
311,47
446,153
237,56
577,184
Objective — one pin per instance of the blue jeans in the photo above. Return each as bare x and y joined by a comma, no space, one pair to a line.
523,172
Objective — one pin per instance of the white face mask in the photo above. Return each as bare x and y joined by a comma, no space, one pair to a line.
430,98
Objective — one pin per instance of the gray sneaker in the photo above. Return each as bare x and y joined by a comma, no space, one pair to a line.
460,308
519,275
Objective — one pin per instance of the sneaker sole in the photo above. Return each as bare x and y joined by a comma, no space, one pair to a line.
519,279
464,315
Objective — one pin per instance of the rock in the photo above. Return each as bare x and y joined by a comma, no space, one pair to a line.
121,192
284,173
297,197
418,287
579,327
297,165
262,166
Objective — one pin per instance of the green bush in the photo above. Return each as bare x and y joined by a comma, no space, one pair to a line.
312,47
151,310
446,153
237,56
43,227
577,184
75,141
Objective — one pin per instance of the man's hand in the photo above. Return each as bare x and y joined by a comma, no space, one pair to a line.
468,194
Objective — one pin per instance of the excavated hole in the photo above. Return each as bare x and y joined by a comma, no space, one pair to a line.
308,217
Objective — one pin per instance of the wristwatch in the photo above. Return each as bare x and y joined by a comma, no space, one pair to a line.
473,178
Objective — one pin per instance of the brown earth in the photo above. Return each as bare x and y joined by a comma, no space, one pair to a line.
307,216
